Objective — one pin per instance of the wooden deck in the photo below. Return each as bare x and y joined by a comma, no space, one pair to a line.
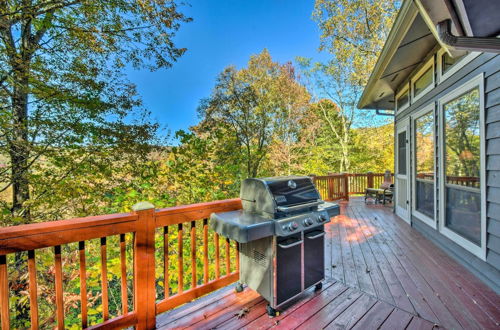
381,273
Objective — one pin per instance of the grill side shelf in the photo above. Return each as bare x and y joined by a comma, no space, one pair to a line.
240,226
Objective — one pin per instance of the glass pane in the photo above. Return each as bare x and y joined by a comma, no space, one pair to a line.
425,198
463,213
463,140
448,61
462,165
424,147
422,82
402,100
402,153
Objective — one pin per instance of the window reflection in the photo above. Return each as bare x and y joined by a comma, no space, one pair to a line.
422,82
448,61
402,100
424,158
463,140
462,165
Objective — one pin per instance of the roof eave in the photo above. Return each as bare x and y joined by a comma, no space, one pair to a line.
402,24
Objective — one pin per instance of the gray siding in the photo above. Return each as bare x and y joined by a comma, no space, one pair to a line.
489,64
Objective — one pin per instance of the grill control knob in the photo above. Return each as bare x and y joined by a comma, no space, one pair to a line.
292,226
308,222
322,218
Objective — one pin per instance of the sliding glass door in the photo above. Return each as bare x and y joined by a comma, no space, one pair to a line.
463,218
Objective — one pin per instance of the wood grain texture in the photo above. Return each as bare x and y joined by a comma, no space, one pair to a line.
4,294
187,213
83,283
217,255
144,269
104,279
180,260
166,276
123,274
193,254
33,290
205,251
59,287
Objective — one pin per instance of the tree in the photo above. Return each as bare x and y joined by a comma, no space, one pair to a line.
65,102
254,106
354,32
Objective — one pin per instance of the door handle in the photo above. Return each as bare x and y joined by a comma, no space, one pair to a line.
316,236
290,245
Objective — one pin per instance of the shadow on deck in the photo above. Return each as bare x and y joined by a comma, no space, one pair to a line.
381,273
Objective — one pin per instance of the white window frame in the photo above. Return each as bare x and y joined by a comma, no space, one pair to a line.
479,251
401,92
420,216
428,65
455,67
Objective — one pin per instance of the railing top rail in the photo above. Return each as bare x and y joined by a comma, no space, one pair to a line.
186,213
64,225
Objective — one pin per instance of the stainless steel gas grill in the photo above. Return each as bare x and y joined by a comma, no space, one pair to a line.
281,234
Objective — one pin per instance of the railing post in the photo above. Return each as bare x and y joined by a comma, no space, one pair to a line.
330,186
144,266
369,177
346,186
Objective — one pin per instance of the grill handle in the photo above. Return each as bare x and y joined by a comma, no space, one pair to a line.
290,245
316,236
298,207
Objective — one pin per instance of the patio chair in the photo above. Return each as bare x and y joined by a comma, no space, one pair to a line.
384,193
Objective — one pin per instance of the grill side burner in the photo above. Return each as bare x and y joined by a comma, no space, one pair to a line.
280,231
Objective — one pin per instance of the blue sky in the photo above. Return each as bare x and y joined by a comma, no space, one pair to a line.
224,32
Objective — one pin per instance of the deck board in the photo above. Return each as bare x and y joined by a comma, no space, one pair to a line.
380,273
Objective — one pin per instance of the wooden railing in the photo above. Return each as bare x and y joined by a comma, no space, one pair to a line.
146,226
165,258
342,185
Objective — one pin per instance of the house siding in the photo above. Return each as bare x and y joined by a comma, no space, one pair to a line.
489,65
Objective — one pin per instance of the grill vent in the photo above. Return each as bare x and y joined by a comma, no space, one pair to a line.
259,258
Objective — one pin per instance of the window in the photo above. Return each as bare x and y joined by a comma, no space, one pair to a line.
403,99
423,80
448,65
447,62
462,165
463,193
424,165
402,153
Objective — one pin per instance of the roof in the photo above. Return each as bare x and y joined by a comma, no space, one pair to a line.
414,35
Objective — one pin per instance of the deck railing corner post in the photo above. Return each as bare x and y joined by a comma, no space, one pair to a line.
346,186
369,176
144,266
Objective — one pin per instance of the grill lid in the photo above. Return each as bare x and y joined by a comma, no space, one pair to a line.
275,196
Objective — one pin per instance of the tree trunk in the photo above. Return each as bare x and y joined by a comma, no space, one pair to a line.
19,144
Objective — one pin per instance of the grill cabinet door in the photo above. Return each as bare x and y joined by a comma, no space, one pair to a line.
314,257
288,263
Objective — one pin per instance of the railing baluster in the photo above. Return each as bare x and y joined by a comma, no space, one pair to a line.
104,280
228,269
217,256
193,254
4,293
32,287
180,267
59,287
205,251
165,262
83,283
237,245
123,264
